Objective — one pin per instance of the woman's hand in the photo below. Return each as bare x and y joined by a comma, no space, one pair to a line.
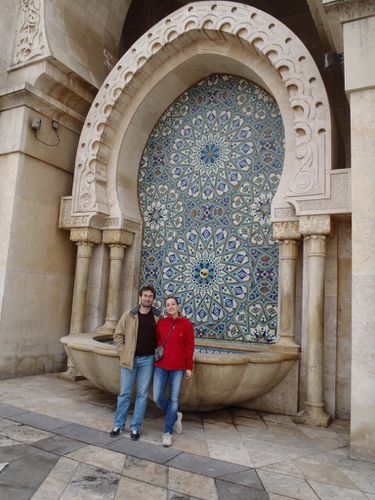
188,373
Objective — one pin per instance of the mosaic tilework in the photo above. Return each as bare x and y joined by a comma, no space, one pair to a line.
208,175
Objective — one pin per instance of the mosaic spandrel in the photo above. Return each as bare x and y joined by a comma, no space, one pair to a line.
208,175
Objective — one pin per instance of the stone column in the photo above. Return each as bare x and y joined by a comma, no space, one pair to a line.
85,239
287,234
315,229
117,240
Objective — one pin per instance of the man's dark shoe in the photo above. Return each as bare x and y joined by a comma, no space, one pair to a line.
115,432
134,435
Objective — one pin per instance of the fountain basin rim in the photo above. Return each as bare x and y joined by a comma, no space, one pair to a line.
88,343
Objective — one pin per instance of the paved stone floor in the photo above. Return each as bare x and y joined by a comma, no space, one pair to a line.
54,444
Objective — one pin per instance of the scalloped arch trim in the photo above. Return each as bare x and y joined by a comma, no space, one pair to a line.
237,24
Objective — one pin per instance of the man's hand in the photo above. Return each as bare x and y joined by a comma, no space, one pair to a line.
188,373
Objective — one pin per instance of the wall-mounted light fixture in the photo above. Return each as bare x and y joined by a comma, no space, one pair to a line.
36,125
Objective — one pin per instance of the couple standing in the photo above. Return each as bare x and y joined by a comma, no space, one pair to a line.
137,334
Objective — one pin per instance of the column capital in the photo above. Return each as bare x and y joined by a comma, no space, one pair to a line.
86,235
118,237
315,224
286,230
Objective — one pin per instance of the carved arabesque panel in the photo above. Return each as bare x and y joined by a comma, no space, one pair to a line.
31,42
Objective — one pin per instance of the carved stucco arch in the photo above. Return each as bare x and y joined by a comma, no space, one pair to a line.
308,157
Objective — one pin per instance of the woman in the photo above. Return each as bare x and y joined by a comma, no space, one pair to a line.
178,335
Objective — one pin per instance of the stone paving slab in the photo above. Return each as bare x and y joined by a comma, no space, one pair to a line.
43,422
7,411
60,445
210,467
227,490
11,453
140,449
246,478
83,433
22,476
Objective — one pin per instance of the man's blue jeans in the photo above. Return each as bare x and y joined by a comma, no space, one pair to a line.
169,407
143,368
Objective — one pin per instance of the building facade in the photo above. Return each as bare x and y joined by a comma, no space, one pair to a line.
220,150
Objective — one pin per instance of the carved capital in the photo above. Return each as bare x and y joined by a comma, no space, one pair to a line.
118,237
315,224
86,235
286,231
288,249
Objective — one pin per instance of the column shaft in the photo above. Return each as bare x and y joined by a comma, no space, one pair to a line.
116,256
287,284
84,252
314,413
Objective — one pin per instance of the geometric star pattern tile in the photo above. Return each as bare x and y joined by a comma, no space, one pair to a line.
208,175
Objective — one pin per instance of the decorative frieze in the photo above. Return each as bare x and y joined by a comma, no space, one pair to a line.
314,224
118,237
86,235
286,230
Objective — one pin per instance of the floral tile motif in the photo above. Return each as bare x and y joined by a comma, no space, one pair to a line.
208,175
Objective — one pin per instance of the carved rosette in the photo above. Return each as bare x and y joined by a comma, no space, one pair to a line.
238,24
31,41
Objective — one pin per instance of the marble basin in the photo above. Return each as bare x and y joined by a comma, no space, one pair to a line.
221,377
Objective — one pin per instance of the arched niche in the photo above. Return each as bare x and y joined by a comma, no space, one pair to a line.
191,43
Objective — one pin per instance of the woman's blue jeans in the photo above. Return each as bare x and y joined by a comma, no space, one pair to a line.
143,368
169,407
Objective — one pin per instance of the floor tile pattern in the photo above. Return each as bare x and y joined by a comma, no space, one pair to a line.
58,453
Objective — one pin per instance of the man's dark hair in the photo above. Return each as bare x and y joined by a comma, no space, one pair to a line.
147,288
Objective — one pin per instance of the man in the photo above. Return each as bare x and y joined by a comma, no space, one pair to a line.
134,339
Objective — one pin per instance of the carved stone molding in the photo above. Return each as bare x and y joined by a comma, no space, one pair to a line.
286,231
315,224
31,41
339,201
118,237
348,10
236,23
68,220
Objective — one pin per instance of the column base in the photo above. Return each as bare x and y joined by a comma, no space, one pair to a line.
287,341
314,416
72,374
108,327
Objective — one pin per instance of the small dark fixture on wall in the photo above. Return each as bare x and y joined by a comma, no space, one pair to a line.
333,60
36,125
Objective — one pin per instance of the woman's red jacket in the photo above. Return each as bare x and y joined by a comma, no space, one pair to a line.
179,350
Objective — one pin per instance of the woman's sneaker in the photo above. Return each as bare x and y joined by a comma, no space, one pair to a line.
167,439
177,428
116,432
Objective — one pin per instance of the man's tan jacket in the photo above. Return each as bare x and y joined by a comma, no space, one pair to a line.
126,334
